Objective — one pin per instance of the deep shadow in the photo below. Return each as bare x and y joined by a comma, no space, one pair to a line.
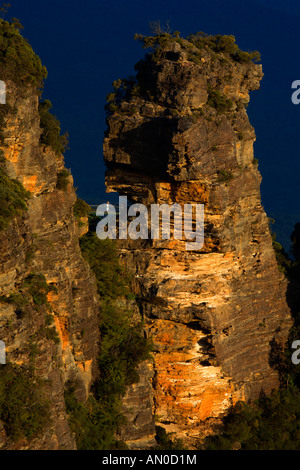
148,145
280,359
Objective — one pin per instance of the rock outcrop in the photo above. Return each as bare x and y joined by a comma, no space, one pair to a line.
44,241
212,314
179,135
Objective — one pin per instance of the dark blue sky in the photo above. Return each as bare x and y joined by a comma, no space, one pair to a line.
86,45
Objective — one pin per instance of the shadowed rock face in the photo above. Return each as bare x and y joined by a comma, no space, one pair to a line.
45,241
213,313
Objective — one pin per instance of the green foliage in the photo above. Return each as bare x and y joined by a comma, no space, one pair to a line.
123,346
23,407
271,423
243,56
159,49
36,286
165,441
13,197
92,423
291,266
219,47
215,43
283,261
21,65
30,253
51,129
224,176
51,334
34,289
194,57
62,180
223,44
218,101
122,89
103,258
33,292
196,115
81,209
130,296
49,320
157,43
18,61
16,298
3,113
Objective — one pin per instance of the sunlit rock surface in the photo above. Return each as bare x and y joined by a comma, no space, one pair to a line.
212,314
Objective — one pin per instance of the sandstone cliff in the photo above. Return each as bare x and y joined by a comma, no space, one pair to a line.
57,338
59,374
181,133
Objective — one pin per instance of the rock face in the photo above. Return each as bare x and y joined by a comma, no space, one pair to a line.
214,313
137,407
45,241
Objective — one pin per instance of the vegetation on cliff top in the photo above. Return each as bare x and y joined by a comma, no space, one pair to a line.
160,44
217,44
18,61
23,67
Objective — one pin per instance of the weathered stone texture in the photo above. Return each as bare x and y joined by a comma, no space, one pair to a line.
213,313
45,241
